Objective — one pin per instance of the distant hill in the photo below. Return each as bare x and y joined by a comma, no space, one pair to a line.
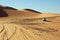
7,7
6,11
32,10
3,13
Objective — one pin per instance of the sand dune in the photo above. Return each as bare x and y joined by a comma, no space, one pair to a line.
28,25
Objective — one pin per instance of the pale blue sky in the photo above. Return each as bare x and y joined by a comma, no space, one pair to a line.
39,5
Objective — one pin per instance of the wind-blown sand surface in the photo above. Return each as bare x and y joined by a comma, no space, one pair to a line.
28,25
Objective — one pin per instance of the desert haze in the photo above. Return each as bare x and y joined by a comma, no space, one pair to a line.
27,24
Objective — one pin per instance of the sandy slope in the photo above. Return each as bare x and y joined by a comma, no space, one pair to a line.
30,29
20,14
29,26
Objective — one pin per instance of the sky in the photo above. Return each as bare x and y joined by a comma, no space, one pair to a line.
52,6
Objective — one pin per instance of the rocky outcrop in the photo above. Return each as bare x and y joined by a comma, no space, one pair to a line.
3,13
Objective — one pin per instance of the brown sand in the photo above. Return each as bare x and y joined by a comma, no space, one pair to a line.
27,25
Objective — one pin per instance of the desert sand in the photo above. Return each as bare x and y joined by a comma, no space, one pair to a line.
28,25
